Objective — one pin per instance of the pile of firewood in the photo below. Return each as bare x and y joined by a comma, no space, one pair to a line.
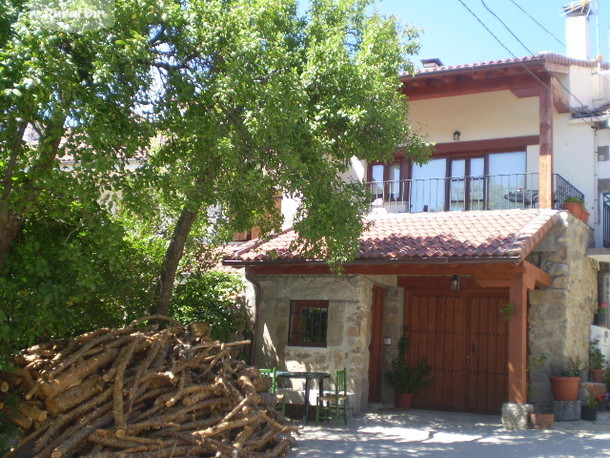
142,390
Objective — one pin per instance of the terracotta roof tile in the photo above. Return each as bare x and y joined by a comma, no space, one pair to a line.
541,57
499,234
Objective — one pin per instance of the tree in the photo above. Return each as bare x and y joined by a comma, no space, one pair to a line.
258,99
225,102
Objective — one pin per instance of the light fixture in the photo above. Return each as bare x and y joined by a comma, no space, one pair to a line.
454,283
456,135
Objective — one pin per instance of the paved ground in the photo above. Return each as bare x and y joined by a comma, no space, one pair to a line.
420,433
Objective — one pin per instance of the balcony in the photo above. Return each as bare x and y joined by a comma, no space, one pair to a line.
487,192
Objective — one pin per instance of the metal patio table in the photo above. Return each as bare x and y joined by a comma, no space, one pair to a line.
308,376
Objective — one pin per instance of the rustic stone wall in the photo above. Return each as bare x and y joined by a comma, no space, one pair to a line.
560,316
349,324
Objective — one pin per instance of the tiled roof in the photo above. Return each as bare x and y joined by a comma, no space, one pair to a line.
460,236
542,57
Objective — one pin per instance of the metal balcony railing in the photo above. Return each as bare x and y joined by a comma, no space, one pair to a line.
486,192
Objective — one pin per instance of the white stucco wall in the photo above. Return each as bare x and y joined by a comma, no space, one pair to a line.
477,116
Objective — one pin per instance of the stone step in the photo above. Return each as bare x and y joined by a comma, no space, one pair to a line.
567,410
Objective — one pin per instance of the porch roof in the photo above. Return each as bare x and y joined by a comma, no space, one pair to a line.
477,236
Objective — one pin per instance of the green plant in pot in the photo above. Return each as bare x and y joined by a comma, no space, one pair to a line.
407,381
565,386
597,362
576,206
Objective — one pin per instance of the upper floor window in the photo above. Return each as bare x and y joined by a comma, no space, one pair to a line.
308,323
467,182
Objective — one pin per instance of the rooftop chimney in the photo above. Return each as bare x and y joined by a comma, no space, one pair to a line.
434,62
577,29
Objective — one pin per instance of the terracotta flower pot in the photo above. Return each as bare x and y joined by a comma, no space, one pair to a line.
404,400
597,375
565,388
577,210
542,420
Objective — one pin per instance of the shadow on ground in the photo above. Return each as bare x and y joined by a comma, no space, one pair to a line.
419,433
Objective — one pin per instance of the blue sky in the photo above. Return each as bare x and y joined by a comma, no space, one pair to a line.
452,34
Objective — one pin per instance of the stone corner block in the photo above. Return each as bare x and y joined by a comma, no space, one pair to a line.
566,410
515,416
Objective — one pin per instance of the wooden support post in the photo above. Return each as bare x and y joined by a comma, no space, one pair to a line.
545,190
517,343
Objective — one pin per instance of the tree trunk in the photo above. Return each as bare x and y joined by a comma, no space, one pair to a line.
11,222
9,230
173,255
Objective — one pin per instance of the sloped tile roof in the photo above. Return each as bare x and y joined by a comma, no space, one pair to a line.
544,57
476,235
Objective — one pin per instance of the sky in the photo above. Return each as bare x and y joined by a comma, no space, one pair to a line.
451,33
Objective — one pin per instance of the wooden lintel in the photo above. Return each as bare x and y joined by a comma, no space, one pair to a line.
487,145
497,269
493,283
478,75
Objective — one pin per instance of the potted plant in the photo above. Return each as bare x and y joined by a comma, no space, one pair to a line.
565,387
576,206
589,408
407,381
596,362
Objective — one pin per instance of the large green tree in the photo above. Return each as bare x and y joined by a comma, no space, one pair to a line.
257,98
223,102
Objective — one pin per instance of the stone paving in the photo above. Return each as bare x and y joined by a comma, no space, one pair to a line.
421,433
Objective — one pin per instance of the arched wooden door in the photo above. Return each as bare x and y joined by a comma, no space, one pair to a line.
464,336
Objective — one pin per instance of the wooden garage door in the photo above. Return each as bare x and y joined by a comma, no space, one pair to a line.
465,339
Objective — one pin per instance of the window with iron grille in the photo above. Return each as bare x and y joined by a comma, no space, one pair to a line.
308,323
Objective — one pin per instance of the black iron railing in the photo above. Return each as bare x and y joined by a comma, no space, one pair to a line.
487,192
606,218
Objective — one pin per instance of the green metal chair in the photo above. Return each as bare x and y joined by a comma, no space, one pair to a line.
334,406
279,398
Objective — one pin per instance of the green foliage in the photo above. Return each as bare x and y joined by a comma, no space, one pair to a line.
212,298
407,379
574,199
67,275
597,360
571,368
508,311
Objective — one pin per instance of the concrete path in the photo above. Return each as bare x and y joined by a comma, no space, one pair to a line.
420,433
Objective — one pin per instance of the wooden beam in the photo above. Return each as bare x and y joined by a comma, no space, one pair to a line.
560,98
517,342
486,145
545,162
535,277
484,270
463,85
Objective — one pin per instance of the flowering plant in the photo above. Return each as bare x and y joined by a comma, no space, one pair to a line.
591,400
603,308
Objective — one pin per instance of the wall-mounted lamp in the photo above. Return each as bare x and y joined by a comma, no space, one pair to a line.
387,341
456,135
454,283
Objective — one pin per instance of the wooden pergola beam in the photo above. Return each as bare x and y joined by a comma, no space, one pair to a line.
545,167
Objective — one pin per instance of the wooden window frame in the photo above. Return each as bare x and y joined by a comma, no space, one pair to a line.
295,320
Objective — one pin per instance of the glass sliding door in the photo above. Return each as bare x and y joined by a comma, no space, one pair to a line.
427,192
508,185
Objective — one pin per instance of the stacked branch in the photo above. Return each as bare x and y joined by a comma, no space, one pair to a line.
142,391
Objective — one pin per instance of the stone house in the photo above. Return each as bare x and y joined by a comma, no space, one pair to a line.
472,253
